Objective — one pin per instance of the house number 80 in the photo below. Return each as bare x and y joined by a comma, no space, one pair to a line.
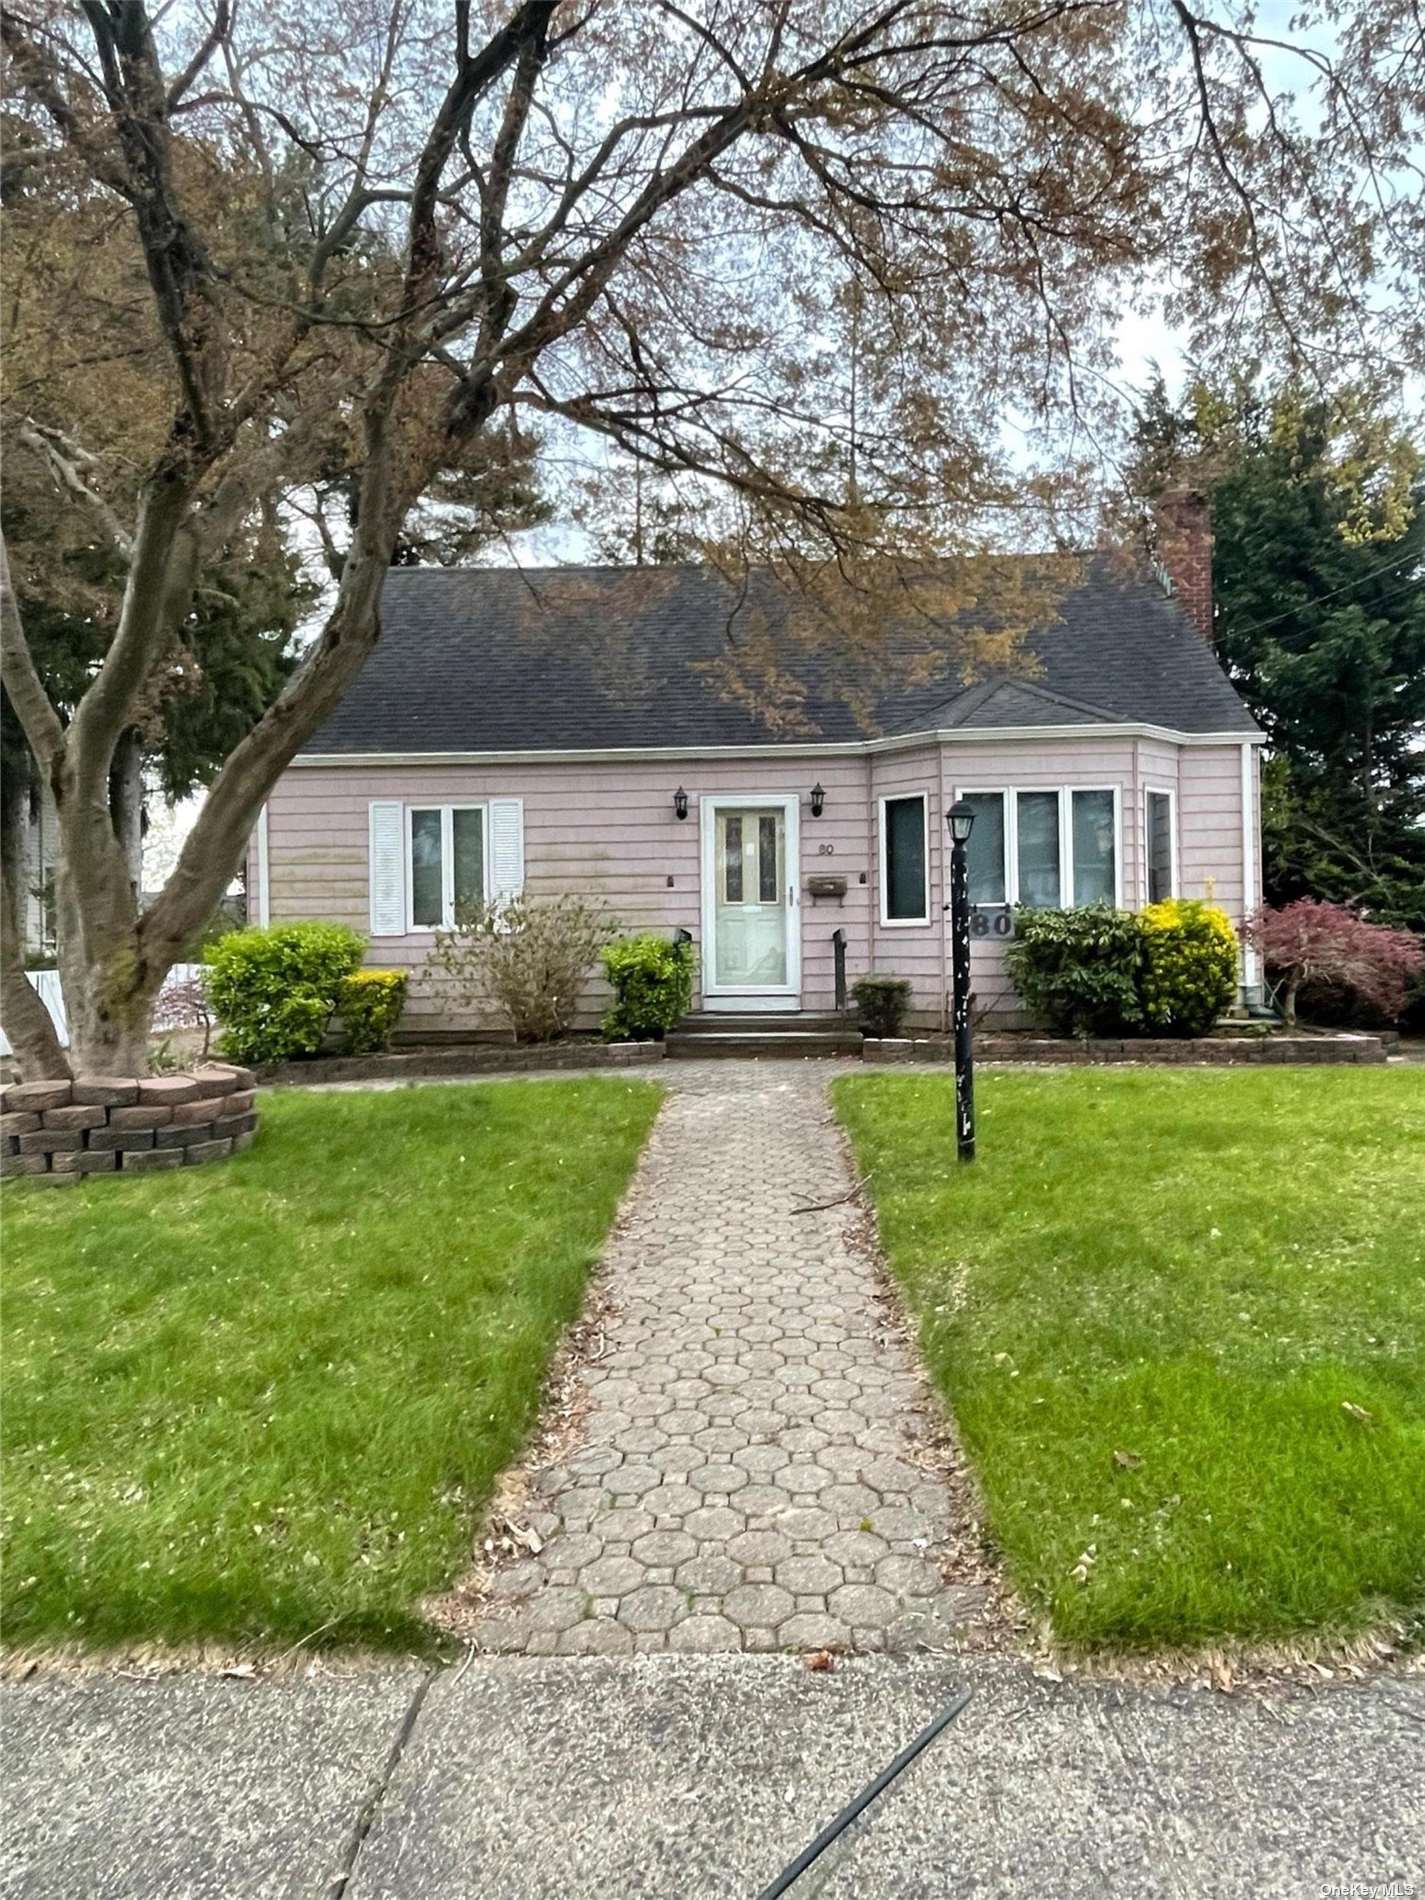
826,850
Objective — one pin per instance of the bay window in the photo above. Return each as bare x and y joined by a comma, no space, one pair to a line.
1044,848
1037,834
1160,850
985,856
1095,847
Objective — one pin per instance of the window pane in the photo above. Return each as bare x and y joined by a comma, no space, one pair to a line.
469,854
905,858
768,884
732,858
1093,848
1160,847
984,854
427,907
1039,850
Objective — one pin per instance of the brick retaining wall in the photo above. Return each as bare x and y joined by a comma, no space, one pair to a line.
473,1059
1154,1049
106,1124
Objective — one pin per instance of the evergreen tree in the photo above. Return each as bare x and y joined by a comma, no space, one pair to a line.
1319,582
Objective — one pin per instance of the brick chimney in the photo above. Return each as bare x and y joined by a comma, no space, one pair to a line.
1184,529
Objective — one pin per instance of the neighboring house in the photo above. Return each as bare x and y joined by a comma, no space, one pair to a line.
41,857
542,731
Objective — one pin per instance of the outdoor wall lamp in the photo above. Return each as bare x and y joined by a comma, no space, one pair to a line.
818,798
680,803
960,819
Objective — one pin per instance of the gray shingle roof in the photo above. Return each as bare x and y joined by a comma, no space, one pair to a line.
574,658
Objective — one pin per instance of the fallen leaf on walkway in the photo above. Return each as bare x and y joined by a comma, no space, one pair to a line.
819,1659
240,1672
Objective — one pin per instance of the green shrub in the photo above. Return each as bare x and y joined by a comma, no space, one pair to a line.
653,986
1079,969
274,991
1189,966
370,1002
881,1001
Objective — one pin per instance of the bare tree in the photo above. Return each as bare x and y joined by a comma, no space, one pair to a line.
408,223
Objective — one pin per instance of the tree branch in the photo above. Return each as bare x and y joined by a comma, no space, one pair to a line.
65,459
33,706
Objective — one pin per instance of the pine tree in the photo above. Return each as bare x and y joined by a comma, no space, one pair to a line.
1319,583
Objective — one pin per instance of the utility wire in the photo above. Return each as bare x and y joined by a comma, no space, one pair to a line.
1316,600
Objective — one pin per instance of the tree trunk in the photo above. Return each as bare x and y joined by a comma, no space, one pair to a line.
109,987
1289,1002
110,1020
113,958
126,804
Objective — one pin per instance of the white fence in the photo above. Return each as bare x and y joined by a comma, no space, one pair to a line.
47,983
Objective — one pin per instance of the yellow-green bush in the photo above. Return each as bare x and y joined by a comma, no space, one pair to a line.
370,1002
275,990
1189,969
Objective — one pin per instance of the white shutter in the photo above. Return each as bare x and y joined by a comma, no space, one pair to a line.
386,865
506,848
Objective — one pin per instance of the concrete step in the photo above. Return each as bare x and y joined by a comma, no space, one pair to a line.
702,1044
765,1022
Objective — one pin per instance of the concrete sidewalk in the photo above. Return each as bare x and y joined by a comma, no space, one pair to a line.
683,1778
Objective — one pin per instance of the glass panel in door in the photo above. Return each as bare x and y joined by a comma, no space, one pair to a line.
750,921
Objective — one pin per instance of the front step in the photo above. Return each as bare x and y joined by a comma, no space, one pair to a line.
767,1034
681,1048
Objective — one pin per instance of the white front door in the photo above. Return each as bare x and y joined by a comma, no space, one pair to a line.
751,938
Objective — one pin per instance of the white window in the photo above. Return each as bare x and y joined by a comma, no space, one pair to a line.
446,853
1045,848
1093,844
905,860
426,861
987,853
1038,854
1160,844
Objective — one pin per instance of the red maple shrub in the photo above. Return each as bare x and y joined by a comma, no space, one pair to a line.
1309,942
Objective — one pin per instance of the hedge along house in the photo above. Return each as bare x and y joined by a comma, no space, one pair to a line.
567,729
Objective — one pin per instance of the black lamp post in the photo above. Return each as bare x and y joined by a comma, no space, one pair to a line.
961,818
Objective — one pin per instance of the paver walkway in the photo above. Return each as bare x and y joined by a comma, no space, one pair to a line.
746,1478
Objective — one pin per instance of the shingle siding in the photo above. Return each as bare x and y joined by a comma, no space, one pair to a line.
608,830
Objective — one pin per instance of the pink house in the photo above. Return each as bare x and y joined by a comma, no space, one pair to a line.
572,729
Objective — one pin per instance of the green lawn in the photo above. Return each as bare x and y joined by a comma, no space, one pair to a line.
1201,1270
270,1395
